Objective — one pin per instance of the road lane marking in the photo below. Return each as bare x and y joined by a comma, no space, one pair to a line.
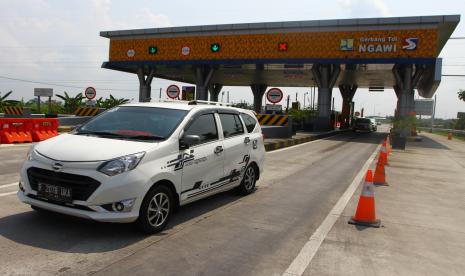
8,185
293,147
7,194
308,251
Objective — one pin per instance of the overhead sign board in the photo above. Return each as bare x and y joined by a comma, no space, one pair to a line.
461,115
424,107
90,93
43,92
173,91
274,95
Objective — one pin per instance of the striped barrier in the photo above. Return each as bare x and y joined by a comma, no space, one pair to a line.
273,120
86,111
13,110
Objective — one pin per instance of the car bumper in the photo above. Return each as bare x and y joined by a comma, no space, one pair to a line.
98,213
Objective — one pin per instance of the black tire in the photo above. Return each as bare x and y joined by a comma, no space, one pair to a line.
153,225
248,181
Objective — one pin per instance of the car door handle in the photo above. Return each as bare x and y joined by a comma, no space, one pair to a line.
218,150
246,140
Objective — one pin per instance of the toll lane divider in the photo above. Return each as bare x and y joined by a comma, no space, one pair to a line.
275,145
87,111
272,120
13,110
27,130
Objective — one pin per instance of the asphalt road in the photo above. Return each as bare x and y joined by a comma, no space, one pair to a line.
224,235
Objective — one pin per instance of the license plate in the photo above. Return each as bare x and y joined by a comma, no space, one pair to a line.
53,192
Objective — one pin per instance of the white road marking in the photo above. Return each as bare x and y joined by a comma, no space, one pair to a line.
7,194
8,185
308,251
16,145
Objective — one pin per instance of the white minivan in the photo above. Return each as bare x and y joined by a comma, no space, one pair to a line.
139,162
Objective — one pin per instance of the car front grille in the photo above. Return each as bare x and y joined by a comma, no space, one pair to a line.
82,186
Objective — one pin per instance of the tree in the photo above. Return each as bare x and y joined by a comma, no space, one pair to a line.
71,103
461,94
111,102
3,100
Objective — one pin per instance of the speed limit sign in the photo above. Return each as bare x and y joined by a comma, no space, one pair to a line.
274,95
173,91
90,93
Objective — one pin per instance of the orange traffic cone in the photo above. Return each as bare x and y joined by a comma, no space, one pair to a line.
383,154
380,175
365,214
388,146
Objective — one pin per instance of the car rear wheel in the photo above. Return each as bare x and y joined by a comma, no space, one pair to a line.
156,210
248,181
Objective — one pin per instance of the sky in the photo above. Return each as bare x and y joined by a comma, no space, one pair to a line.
58,42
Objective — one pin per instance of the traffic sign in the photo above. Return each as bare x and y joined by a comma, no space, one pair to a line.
173,91
186,50
90,93
274,95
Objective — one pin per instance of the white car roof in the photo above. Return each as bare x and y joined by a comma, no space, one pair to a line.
183,105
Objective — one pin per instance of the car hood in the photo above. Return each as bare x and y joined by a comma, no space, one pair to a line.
82,148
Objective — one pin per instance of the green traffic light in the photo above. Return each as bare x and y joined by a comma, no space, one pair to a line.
215,47
153,50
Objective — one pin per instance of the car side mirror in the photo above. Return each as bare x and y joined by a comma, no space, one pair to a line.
188,140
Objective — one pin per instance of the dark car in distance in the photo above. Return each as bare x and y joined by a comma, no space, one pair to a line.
364,124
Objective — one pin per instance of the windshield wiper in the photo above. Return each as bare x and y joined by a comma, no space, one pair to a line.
146,137
102,133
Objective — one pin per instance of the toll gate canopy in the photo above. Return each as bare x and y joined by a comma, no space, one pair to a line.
376,53
287,50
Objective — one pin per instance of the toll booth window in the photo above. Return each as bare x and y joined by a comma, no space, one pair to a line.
250,122
232,125
205,127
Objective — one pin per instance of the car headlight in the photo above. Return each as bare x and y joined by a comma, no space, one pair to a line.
30,153
121,164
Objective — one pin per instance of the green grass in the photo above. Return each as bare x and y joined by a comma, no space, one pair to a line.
454,136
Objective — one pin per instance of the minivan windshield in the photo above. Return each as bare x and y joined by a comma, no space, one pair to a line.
135,123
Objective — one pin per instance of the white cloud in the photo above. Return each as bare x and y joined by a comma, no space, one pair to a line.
362,8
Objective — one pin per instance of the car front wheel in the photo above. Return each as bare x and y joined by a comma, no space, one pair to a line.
156,210
248,181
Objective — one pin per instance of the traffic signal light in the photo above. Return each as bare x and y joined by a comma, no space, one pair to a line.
215,47
153,50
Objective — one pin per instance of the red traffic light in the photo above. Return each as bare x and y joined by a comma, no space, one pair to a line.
282,46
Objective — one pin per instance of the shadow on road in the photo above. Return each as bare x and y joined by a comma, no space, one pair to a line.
427,143
62,233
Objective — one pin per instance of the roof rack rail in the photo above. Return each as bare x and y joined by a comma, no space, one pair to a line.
196,102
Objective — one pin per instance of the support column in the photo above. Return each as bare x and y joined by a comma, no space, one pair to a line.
145,84
347,93
406,80
203,76
325,76
215,89
258,91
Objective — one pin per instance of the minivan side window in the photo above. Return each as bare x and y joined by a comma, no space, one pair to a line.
205,127
249,121
232,125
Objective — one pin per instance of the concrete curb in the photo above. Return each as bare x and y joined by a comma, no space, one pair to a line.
296,141
65,128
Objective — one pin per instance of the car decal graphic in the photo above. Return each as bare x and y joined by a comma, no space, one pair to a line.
179,162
